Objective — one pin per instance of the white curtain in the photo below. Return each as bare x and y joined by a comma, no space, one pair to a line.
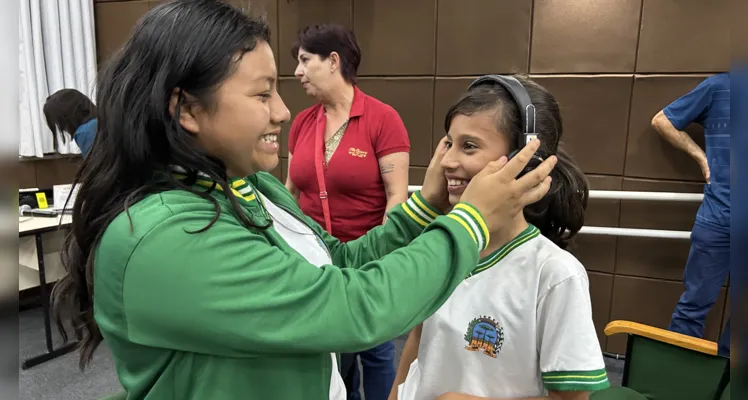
57,51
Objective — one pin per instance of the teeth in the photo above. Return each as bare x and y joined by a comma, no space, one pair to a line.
456,182
270,138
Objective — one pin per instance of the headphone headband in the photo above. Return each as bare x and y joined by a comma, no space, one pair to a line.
521,98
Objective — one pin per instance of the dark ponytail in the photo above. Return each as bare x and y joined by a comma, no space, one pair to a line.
560,214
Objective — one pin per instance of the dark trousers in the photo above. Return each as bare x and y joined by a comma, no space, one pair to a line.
707,269
378,374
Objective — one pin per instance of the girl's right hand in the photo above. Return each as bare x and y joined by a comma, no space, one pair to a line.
499,196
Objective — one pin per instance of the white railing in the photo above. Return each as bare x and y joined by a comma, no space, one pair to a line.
626,195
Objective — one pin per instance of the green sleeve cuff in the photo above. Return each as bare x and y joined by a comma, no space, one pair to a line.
419,210
472,220
588,381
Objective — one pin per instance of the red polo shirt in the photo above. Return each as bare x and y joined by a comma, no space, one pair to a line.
355,189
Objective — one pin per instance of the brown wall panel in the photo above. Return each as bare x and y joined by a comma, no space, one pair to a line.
55,171
284,169
659,214
588,36
298,14
396,37
597,252
266,8
482,36
278,170
648,155
684,36
595,112
416,175
648,257
651,302
413,99
114,23
601,290
446,92
26,174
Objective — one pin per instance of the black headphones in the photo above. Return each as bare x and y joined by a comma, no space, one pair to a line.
526,110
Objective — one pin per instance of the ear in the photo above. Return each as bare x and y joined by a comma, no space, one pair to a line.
187,110
334,61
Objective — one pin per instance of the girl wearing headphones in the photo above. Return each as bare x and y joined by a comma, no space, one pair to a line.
520,326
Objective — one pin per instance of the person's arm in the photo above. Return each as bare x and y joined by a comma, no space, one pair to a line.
409,354
228,292
405,222
392,148
671,122
681,141
394,171
289,183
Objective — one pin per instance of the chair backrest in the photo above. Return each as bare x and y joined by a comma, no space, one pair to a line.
725,393
661,371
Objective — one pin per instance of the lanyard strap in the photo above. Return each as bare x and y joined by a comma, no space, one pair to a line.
319,151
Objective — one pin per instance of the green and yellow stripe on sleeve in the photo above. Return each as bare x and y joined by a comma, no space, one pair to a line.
472,220
465,214
576,380
419,210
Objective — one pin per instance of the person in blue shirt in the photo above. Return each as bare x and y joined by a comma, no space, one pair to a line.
708,264
72,113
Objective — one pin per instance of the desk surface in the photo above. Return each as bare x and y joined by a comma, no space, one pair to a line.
32,225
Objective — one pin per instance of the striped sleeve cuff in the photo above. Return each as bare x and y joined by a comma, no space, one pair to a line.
419,210
576,380
471,219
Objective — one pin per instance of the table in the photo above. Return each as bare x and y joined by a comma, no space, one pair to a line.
37,226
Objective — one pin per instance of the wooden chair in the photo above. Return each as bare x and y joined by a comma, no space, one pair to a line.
664,365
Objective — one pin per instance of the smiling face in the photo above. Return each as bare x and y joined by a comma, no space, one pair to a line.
472,142
243,127
314,73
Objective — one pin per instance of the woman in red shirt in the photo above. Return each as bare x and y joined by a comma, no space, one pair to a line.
348,164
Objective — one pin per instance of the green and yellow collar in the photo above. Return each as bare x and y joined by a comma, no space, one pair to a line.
498,255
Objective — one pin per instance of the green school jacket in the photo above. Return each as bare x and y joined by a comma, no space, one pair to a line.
233,313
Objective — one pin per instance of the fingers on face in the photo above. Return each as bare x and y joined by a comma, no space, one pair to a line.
439,151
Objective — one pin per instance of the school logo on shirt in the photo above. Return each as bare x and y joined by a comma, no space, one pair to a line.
484,334
357,152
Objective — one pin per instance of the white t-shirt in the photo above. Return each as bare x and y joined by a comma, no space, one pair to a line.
302,239
520,325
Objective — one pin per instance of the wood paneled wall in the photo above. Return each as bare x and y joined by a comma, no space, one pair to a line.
612,64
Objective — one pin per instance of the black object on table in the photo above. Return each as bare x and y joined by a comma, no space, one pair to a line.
52,352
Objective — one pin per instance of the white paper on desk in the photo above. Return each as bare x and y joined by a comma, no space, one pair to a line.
60,195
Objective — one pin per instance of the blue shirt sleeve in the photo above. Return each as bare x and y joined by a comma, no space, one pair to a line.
84,136
691,107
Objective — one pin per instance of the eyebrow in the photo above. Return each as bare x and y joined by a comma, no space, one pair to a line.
466,136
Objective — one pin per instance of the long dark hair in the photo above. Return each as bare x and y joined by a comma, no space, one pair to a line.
67,109
191,46
560,214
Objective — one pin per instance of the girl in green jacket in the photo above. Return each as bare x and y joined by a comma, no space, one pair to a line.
196,266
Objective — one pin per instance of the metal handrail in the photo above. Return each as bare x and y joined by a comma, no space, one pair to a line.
631,195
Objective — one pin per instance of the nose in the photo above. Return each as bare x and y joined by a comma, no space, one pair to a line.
279,113
450,160
299,72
